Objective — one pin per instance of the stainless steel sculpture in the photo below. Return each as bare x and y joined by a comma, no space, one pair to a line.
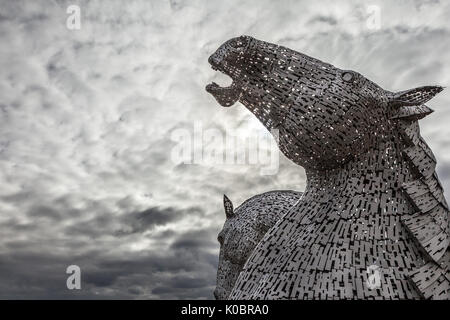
243,229
373,199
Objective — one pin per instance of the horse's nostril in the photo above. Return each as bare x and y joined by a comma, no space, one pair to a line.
216,294
211,59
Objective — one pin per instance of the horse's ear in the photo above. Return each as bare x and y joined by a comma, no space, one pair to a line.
228,206
414,97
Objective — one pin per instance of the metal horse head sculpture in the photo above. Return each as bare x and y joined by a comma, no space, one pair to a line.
243,229
372,193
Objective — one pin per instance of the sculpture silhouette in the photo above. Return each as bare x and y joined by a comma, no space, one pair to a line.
373,200
243,229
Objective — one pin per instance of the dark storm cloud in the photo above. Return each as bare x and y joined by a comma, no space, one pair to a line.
138,222
44,211
194,239
154,217
183,271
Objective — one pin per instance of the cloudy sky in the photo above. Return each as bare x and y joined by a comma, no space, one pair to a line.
87,120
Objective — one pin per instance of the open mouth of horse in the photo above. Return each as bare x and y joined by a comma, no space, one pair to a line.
226,95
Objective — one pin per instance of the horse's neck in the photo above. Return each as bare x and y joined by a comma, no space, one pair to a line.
378,173
392,183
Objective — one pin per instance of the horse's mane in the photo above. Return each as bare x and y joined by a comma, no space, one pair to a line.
429,225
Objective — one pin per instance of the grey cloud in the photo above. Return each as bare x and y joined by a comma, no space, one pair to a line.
44,211
148,219
324,19
195,239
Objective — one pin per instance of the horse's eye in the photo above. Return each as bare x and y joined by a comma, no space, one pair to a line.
238,43
347,76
